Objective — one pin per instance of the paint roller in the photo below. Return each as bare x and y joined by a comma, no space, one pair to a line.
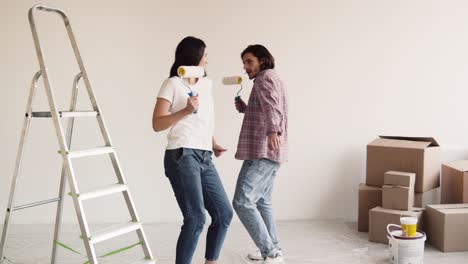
234,80
190,72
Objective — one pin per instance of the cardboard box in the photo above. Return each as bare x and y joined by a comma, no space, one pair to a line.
380,217
454,182
399,178
369,197
426,198
397,197
409,154
447,226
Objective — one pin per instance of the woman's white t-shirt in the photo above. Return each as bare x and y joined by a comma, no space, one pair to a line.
196,130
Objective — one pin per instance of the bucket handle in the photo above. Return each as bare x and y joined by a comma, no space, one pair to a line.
389,231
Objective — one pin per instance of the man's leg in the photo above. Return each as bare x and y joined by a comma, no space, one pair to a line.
265,207
250,188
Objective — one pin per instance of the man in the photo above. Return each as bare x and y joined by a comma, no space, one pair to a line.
263,147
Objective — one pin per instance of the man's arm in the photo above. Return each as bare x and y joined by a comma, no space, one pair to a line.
270,106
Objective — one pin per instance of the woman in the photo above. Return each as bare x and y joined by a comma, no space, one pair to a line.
187,161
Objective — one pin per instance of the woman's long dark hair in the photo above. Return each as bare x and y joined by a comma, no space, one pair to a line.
189,52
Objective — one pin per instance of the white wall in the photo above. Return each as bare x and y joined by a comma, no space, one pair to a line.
354,69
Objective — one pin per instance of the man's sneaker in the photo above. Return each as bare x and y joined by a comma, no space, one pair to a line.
274,260
257,256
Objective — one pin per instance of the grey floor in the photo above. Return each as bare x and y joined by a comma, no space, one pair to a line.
303,242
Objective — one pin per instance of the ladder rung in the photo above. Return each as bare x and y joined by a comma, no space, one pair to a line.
114,232
66,114
90,152
115,188
15,208
78,114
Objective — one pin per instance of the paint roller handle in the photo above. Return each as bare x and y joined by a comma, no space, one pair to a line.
191,94
240,104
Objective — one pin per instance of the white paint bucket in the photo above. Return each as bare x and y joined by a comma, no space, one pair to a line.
405,250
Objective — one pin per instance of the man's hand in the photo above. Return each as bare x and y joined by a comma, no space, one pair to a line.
218,150
274,141
240,105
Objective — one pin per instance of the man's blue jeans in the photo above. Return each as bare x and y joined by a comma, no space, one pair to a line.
253,202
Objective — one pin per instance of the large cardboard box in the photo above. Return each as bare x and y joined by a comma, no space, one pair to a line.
446,226
426,198
380,217
397,197
369,197
410,154
454,182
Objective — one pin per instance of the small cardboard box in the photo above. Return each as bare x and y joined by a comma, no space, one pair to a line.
410,154
399,178
369,197
426,198
446,226
380,217
454,182
397,197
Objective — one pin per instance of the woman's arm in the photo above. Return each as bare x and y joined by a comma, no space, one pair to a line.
163,120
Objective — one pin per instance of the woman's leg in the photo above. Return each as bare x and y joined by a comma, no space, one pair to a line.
218,206
183,170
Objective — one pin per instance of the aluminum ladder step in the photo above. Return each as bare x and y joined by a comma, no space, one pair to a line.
114,232
115,188
65,114
90,152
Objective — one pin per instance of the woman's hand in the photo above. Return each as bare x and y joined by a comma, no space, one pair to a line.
218,150
192,104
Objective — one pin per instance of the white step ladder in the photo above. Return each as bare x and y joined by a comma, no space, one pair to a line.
90,240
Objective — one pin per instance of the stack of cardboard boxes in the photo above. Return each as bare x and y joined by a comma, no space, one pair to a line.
401,173
402,178
397,201
447,223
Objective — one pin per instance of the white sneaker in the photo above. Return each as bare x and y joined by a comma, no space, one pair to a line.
257,256
274,260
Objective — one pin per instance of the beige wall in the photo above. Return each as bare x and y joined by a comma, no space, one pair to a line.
354,69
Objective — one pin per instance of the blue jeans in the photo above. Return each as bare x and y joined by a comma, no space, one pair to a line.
197,187
253,202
